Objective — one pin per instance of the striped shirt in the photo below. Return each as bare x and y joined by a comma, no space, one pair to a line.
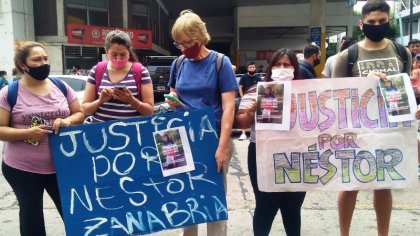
115,109
249,96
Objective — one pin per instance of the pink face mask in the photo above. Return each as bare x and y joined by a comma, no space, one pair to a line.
118,64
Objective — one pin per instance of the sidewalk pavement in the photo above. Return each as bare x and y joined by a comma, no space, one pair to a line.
319,211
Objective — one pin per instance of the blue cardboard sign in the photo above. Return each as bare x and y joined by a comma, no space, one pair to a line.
111,181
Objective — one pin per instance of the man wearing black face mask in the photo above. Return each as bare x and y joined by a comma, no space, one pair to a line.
311,59
375,56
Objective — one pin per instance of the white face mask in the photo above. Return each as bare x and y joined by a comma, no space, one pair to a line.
279,74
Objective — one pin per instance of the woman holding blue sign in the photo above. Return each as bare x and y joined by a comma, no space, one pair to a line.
283,66
30,110
121,87
204,78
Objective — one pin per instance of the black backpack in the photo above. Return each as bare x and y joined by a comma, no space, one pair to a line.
353,52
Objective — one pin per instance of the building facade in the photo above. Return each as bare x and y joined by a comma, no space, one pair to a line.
244,30
403,16
54,21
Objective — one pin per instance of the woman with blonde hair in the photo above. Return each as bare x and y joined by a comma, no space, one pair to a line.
199,82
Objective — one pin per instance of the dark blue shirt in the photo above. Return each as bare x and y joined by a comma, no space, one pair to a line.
306,70
248,80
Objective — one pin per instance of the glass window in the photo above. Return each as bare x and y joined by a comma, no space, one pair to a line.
140,22
87,12
98,18
415,27
139,9
76,16
98,4
77,2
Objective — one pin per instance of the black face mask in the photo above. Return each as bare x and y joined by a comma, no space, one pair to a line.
40,72
317,61
376,32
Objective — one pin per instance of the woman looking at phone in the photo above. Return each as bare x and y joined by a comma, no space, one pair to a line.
117,95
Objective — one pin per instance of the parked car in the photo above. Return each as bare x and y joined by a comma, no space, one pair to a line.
262,75
76,82
159,68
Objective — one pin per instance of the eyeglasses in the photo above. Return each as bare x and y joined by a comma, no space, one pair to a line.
184,44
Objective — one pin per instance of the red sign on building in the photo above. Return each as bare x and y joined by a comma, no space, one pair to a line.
265,54
95,35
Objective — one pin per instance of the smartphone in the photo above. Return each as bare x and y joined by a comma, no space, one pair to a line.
120,86
35,121
174,99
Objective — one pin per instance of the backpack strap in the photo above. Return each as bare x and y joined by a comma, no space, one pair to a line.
99,74
12,91
57,82
179,61
137,71
353,52
219,63
402,52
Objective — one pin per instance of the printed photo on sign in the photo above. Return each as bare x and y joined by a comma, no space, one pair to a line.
273,105
397,92
174,151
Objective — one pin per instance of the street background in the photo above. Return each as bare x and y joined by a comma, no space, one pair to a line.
319,211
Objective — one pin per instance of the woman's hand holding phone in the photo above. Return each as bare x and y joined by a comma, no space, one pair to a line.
172,100
121,93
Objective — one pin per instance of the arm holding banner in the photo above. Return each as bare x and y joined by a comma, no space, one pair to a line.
13,134
38,132
76,117
228,107
245,117
247,108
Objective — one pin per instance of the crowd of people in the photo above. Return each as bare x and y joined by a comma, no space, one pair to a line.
121,87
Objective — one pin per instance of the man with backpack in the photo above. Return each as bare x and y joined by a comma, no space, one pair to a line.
373,56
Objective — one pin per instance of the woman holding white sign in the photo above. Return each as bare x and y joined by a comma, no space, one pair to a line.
283,66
